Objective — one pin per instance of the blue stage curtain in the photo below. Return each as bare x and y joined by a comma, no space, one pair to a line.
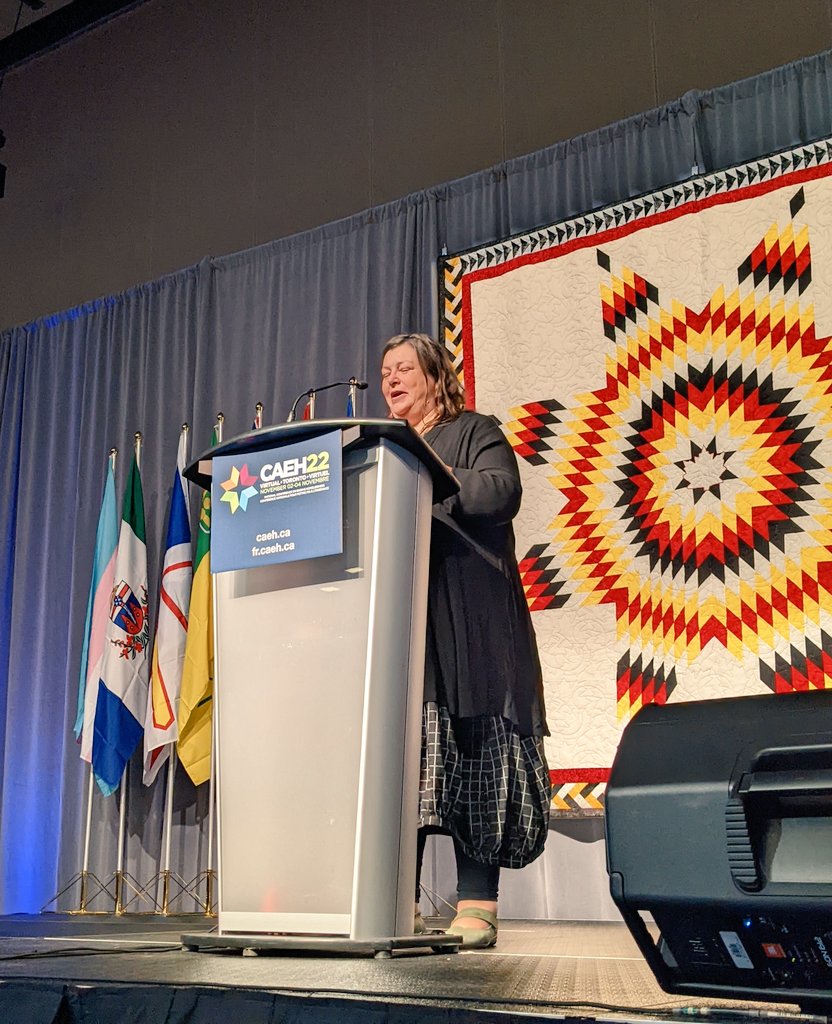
260,325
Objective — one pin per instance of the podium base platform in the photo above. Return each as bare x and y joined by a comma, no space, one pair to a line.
381,949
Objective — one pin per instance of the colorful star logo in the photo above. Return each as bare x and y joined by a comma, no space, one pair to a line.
240,478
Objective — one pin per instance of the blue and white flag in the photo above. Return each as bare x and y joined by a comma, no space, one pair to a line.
122,685
98,607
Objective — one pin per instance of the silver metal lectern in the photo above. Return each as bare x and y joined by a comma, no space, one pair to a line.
319,668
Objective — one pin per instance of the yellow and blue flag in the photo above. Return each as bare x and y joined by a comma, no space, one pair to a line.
196,697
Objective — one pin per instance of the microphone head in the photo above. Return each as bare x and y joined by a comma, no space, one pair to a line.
362,385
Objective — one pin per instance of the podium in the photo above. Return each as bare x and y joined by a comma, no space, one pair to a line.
318,677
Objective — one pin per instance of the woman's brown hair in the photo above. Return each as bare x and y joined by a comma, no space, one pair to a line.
435,362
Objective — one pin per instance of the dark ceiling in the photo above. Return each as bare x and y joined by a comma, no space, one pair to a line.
44,24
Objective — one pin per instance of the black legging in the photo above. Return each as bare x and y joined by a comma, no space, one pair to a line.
474,880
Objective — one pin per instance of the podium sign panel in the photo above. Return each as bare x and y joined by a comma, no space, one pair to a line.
278,505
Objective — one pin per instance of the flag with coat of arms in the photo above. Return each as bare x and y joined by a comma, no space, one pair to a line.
122,685
160,729
98,607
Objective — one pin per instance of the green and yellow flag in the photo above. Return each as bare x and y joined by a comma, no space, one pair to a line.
196,696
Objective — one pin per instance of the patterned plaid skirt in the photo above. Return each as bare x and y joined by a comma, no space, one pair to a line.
486,785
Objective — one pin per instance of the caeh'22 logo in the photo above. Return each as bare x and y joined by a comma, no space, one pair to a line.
239,487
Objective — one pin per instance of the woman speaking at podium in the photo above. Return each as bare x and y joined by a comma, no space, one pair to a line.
484,778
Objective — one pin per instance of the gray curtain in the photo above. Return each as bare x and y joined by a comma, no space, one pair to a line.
260,325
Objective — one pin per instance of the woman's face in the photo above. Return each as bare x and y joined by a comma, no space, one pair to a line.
409,393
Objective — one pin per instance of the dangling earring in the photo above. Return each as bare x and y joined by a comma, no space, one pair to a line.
430,414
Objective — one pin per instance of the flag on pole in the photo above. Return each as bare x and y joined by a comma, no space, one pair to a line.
196,696
160,731
258,417
122,685
98,609
350,406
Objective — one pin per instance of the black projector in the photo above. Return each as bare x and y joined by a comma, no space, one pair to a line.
719,827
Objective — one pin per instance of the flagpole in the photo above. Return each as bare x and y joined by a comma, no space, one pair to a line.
167,820
167,825
85,863
258,416
122,814
212,791
84,875
195,716
82,907
122,810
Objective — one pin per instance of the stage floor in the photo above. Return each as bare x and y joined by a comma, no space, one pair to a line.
538,970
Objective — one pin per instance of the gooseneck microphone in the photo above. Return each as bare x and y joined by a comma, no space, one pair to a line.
352,383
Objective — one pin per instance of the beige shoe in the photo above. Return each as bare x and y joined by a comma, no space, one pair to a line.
475,938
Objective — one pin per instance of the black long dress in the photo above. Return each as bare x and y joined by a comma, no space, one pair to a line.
484,775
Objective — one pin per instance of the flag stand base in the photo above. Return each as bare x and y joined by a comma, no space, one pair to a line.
207,903
91,888
174,887
124,881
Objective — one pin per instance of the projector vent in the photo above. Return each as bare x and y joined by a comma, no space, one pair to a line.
741,858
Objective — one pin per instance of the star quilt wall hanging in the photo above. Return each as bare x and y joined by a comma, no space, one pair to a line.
663,371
